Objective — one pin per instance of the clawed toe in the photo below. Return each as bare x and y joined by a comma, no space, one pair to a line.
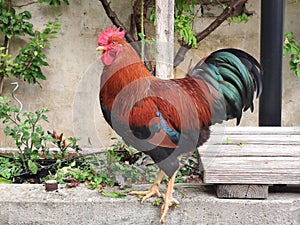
153,191
147,194
165,207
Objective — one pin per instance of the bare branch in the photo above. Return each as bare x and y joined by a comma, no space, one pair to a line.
216,23
26,4
115,20
1,84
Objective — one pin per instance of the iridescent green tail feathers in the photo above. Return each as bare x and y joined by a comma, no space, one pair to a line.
236,76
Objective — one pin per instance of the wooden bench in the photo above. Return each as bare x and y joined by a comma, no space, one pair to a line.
244,161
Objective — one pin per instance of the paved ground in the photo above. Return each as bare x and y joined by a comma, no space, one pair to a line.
31,205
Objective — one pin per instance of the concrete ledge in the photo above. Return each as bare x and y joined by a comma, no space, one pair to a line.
32,205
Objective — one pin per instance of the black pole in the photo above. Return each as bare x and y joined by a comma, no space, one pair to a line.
271,47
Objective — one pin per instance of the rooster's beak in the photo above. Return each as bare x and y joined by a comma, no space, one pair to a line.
101,48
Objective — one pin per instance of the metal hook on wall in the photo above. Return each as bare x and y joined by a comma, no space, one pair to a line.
15,98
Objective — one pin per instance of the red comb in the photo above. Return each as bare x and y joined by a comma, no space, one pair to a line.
111,31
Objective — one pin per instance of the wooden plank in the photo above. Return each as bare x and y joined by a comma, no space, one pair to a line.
257,139
256,130
249,150
252,162
250,177
251,191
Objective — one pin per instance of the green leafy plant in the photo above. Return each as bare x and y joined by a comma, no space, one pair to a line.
120,165
28,63
292,47
86,172
8,169
240,18
184,17
13,23
157,202
30,60
6,63
31,139
63,144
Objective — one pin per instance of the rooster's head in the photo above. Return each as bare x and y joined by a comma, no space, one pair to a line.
110,42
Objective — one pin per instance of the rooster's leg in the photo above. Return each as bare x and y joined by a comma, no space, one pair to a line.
168,199
153,190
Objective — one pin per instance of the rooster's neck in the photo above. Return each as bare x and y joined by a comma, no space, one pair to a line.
121,74
126,68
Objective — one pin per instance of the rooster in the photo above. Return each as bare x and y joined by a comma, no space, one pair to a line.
166,118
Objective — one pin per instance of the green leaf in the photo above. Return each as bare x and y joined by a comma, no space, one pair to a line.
142,36
34,155
26,15
33,167
4,19
9,35
4,181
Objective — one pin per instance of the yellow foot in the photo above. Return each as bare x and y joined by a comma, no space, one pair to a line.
153,191
168,202
168,199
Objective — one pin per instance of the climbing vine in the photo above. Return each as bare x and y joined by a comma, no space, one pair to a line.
28,63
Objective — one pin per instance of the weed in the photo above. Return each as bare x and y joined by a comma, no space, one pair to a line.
157,202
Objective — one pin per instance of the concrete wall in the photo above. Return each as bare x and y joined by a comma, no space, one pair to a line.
71,89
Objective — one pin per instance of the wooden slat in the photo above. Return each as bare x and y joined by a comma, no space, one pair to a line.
256,130
249,150
255,163
252,155
256,138
254,177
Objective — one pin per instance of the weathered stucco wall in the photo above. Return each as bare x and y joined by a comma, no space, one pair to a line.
71,89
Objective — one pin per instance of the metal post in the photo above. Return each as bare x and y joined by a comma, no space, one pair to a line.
271,47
